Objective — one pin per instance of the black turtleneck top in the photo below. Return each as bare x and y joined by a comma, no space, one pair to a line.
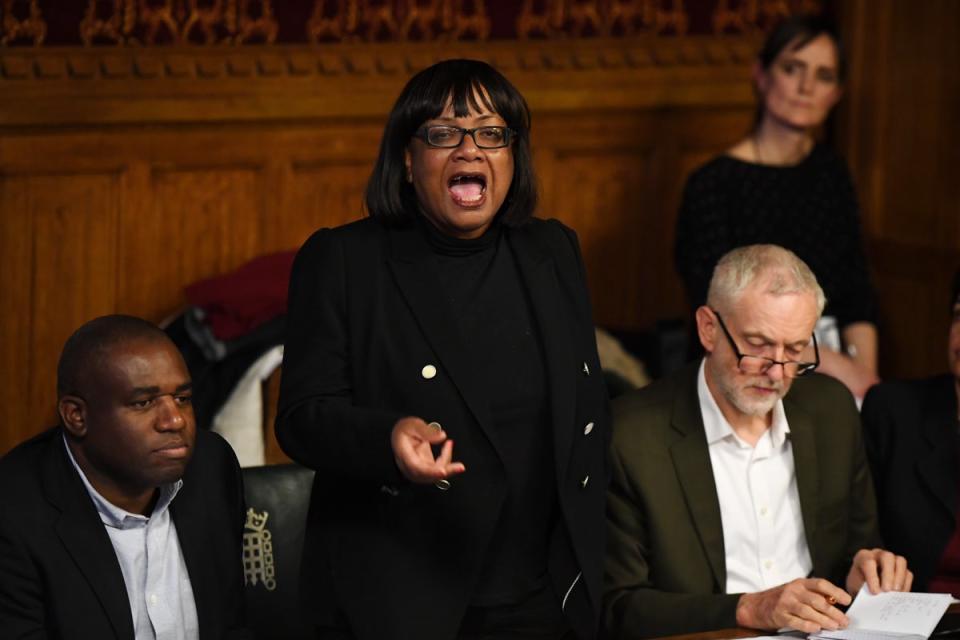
482,285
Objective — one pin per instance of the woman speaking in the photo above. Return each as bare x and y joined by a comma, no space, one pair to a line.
441,377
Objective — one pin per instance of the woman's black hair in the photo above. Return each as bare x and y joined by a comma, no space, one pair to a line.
801,28
797,31
390,198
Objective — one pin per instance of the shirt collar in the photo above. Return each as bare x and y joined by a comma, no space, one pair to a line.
112,515
715,424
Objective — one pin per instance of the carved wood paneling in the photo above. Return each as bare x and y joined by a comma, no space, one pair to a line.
745,16
202,159
126,171
579,18
42,89
350,20
21,21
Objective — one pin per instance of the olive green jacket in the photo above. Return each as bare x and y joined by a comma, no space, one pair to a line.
665,571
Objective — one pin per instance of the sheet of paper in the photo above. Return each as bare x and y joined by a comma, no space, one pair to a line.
895,612
853,634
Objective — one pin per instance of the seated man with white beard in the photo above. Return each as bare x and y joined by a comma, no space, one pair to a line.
733,503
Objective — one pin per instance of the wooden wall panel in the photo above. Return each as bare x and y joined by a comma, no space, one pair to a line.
899,131
68,251
596,197
616,178
924,88
199,221
915,305
321,194
16,323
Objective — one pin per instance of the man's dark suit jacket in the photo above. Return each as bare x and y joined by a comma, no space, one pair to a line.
366,315
910,431
665,568
59,574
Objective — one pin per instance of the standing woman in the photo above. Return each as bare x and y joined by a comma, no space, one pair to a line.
441,376
779,186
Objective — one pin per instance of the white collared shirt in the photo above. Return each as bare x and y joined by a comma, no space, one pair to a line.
154,571
763,535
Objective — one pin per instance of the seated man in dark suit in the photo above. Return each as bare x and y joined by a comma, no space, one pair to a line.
123,522
912,436
732,503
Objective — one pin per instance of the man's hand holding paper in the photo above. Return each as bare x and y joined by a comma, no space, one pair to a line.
880,570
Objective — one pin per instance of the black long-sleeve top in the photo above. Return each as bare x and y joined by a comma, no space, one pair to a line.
810,208
482,285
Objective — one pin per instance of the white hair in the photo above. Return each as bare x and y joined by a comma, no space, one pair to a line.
783,271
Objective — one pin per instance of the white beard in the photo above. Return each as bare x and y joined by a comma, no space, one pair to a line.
737,395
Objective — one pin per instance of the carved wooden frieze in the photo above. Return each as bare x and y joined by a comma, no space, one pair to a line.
177,22
401,20
151,23
22,22
746,16
579,18
383,60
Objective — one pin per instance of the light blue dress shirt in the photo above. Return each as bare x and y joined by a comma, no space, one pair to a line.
155,574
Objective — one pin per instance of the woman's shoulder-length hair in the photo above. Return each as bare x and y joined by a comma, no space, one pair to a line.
472,86
798,30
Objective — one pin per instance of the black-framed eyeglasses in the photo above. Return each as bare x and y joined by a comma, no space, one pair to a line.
446,136
755,365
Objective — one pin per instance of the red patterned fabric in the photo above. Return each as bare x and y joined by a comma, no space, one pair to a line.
240,301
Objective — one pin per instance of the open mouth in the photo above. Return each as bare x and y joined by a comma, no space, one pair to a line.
468,189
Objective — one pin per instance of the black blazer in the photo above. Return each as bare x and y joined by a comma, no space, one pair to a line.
910,431
59,575
399,560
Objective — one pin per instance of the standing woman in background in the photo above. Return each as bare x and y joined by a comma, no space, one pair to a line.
779,186
450,315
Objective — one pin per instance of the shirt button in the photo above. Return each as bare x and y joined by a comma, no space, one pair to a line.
763,511
587,429
153,598
584,482
428,371
768,565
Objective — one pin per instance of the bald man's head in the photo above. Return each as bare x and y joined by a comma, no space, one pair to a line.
85,351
